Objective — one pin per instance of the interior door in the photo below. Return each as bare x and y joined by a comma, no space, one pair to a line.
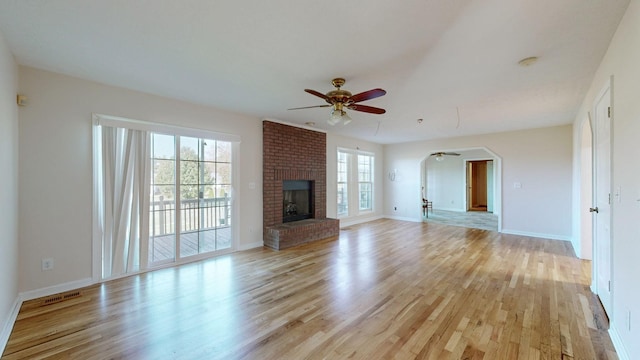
477,185
602,196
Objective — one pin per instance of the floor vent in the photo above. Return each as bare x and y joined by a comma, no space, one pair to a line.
60,297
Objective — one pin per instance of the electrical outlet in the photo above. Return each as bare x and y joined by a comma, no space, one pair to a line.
47,264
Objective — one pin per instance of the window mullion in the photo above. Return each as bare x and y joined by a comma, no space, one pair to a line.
201,204
177,199
352,181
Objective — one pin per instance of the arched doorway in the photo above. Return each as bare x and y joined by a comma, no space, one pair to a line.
446,184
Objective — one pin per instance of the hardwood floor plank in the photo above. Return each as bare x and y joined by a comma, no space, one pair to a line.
386,289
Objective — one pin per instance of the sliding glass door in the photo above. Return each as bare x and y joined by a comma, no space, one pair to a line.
190,212
161,194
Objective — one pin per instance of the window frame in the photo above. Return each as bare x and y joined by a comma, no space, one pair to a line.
342,184
370,174
353,182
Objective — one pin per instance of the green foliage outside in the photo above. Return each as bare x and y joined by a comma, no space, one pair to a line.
212,182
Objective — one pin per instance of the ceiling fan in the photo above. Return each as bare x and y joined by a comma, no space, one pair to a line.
440,155
340,100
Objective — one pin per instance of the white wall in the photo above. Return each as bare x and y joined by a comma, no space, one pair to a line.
8,191
445,183
334,142
538,159
622,60
55,172
583,235
490,185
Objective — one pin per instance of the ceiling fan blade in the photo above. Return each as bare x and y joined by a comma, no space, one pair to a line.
309,107
444,153
318,94
367,95
367,109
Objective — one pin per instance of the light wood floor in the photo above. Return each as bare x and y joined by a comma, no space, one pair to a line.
471,219
383,290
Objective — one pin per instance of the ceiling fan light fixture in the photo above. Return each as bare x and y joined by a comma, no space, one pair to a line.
439,157
346,119
335,117
338,115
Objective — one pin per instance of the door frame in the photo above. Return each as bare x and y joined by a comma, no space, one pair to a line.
469,182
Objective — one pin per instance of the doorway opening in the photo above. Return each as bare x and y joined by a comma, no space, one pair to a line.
479,185
445,184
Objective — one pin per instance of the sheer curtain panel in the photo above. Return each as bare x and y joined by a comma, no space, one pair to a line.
124,200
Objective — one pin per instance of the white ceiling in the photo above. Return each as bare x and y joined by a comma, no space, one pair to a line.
435,58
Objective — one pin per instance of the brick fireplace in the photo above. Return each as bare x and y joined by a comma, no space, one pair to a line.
292,154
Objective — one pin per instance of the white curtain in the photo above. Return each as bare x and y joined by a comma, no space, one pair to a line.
124,200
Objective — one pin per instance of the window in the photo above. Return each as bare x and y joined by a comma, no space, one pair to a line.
343,195
355,174
162,194
365,181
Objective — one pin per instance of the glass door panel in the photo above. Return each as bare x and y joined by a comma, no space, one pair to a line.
191,197
190,174
162,232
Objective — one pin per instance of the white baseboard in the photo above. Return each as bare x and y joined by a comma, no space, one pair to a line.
8,325
252,245
349,222
55,289
537,235
403,218
617,343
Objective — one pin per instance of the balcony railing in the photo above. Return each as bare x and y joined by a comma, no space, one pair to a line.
196,214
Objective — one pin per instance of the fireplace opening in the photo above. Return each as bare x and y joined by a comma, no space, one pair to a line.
297,201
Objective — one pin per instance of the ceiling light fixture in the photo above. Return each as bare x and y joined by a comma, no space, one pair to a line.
337,115
440,157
